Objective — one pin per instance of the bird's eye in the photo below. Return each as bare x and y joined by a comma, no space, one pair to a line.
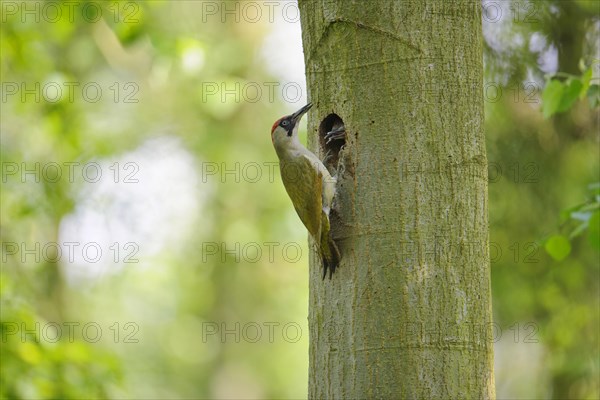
284,122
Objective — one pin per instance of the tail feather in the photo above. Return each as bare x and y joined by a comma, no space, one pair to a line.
330,253
331,258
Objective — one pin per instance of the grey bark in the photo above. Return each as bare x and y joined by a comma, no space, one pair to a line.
408,312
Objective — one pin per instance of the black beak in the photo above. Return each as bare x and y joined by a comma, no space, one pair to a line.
297,116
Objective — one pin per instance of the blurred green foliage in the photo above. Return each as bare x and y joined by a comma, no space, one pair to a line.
176,293
560,96
184,321
546,165
36,366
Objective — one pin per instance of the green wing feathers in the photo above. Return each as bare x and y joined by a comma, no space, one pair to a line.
302,181
311,189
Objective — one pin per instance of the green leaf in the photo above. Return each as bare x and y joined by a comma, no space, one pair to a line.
570,95
558,247
578,230
593,95
590,207
594,230
551,97
585,80
566,214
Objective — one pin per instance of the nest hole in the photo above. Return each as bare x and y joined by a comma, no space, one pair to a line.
332,149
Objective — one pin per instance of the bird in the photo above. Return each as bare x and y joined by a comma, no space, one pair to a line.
309,185
337,132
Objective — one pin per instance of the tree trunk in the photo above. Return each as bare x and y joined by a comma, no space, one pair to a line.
408,312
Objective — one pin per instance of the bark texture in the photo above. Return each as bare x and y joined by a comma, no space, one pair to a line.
408,312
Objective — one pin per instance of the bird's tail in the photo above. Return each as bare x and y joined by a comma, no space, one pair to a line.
330,253
331,259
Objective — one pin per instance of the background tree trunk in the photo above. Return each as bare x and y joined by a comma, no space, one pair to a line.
408,312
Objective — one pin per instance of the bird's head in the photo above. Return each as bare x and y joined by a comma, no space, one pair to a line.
285,129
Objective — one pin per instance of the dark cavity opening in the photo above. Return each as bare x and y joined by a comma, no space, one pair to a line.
332,122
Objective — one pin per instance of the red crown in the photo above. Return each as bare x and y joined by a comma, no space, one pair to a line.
275,125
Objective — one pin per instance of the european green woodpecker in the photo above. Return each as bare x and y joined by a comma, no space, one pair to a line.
309,185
